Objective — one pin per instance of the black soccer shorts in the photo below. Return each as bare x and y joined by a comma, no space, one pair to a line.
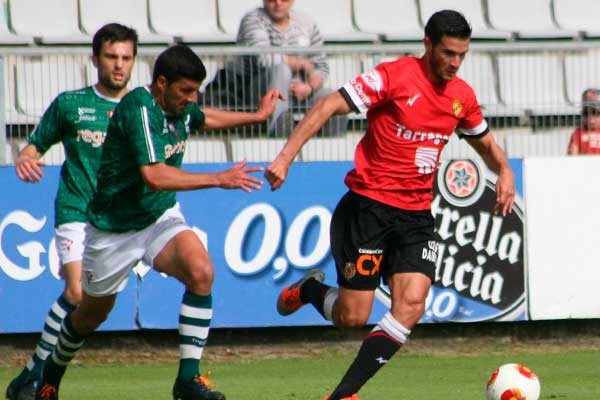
371,241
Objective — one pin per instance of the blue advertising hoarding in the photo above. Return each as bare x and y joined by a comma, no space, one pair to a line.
262,241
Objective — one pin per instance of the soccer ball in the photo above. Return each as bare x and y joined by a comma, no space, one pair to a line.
513,382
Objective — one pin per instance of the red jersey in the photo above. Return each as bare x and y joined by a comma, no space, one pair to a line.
585,141
409,122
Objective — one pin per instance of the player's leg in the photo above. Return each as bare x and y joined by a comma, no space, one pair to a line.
409,291
69,245
107,261
408,266
177,251
88,316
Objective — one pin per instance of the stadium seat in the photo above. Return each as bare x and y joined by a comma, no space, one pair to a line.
581,72
190,21
256,150
520,145
392,19
202,150
578,15
230,13
140,76
530,19
334,19
477,70
331,149
48,21
342,68
39,80
93,14
533,83
471,9
7,37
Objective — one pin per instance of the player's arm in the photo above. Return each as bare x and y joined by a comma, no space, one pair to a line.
325,108
221,119
28,164
495,159
161,177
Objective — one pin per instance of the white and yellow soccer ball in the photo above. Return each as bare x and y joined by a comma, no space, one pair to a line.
513,382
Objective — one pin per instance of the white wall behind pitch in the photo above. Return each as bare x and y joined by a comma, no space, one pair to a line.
562,196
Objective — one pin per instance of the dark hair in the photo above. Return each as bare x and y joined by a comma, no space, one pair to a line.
447,23
111,33
177,62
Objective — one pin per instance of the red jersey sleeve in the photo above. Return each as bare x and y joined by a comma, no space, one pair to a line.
367,90
472,123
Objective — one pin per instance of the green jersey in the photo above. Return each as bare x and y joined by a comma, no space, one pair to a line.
79,120
139,133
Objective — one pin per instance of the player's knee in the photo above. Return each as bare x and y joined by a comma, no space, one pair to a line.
351,320
199,274
73,294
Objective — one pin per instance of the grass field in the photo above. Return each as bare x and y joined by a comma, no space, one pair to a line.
428,369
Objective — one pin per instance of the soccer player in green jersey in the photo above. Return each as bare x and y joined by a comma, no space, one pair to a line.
134,214
79,120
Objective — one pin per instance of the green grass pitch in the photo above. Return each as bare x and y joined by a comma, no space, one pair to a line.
564,375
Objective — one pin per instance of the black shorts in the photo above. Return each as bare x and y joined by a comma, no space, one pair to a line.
371,241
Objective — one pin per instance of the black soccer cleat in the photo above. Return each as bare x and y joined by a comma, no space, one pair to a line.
27,389
199,388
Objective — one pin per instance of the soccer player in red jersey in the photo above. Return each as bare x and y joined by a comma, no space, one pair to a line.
586,139
383,227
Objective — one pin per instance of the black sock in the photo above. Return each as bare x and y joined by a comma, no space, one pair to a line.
313,292
376,350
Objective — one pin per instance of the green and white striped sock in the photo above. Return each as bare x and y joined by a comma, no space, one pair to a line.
57,313
194,323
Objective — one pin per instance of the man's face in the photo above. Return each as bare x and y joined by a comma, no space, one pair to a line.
114,63
278,10
176,95
446,57
592,119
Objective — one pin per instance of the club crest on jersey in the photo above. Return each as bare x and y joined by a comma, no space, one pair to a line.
457,107
349,270
110,113
460,182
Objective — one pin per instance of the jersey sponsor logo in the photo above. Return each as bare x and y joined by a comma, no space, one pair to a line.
412,100
96,138
426,159
360,92
408,134
373,79
369,261
86,114
457,107
429,253
177,148
460,182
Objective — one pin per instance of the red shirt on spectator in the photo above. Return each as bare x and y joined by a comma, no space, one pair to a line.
409,122
585,141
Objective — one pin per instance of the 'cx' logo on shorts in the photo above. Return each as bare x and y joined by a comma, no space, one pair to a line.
372,264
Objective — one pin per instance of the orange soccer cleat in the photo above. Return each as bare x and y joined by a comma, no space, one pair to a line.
289,300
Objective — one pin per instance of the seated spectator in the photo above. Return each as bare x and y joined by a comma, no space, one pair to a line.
299,77
586,138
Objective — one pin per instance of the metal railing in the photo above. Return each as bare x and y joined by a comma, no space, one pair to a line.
529,93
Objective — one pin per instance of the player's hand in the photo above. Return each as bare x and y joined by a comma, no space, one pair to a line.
276,173
237,177
267,104
505,192
300,90
29,169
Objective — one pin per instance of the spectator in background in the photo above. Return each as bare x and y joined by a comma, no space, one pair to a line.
586,138
301,77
